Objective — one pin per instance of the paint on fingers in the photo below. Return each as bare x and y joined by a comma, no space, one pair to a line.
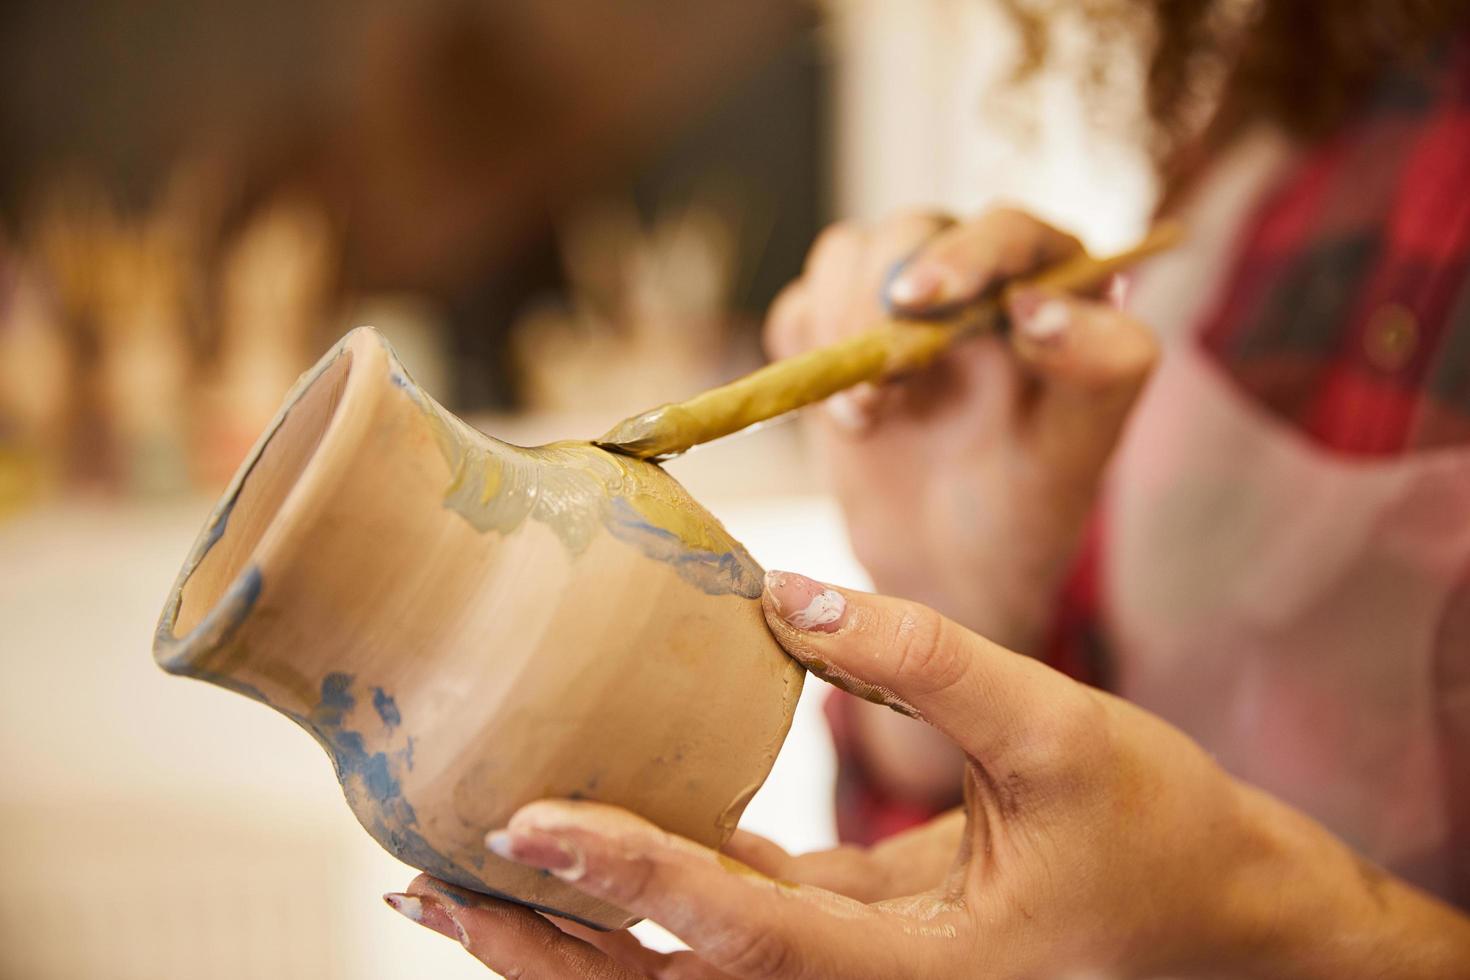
872,693
805,603
812,607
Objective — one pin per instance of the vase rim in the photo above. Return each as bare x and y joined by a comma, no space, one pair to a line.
369,359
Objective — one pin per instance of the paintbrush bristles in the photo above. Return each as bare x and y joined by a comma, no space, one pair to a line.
648,435
892,348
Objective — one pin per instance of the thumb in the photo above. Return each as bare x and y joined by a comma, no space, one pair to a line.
1092,361
984,698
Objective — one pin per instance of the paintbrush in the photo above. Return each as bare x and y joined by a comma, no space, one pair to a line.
892,347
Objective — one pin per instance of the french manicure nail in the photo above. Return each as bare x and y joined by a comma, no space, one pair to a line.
844,410
428,913
1039,316
806,604
913,286
411,907
1118,289
538,849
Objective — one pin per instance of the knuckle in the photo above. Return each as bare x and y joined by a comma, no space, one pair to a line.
834,239
681,965
1119,354
1027,234
631,883
1135,354
1072,735
1006,214
909,227
926,653
1081,721
1146,351
783,322
1009,223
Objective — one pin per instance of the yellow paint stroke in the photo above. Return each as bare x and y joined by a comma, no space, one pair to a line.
578,490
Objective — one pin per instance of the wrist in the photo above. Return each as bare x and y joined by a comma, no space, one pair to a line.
1301,905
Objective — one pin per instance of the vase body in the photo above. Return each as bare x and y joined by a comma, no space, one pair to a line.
467,626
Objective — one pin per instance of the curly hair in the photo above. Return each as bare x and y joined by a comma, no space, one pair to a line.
1210,68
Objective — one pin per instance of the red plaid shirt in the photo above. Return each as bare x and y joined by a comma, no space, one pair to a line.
1347,316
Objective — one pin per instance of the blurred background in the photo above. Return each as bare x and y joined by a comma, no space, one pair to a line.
559,213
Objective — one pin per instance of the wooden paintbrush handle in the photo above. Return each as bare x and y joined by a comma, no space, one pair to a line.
893,347
1084,271
912,348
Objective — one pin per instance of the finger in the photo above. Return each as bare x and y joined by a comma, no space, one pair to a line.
788,332
1092,361
786,328
987,700
757,852
958,265
837,297
841,300
429,912
835,274
736,919
510,939
914,861
854,411
624,947
923,858
845,870
849,265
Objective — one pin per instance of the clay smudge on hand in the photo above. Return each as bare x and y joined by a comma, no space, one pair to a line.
872,693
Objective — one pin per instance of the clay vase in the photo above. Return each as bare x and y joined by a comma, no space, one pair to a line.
466,626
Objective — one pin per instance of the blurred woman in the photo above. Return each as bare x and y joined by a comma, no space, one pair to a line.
1280,562
1242,507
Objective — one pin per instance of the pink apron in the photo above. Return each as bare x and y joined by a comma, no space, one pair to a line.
1303,613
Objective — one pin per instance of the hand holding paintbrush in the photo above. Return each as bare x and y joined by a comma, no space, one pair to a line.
890,348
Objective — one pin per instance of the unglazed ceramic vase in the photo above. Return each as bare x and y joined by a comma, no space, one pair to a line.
466,626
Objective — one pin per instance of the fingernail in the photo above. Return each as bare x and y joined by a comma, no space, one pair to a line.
844,410
538,849
805,603
1040,316
428,913
411,907
1118,289
914,286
